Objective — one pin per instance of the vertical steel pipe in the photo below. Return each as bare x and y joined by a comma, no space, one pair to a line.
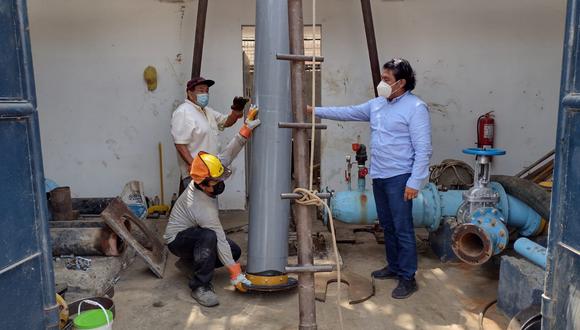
271,146
371,42
199,35
304,214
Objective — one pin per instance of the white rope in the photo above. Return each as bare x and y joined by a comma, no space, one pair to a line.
309,196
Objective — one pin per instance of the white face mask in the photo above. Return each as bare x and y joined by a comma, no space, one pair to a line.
384,89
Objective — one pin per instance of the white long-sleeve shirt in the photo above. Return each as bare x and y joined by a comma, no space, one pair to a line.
194,208
400,135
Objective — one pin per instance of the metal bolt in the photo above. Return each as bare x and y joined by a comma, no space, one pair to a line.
501,233
494,211
493,222
501,246
479,221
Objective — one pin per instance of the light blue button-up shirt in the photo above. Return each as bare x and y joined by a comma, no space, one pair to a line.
400,135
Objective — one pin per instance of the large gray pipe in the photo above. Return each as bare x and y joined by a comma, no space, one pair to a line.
271,146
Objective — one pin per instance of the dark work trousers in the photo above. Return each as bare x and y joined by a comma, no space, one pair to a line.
199,245
396,219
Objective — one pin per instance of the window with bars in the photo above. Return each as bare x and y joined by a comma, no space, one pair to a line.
311,46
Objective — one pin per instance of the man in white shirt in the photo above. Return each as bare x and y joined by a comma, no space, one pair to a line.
195,126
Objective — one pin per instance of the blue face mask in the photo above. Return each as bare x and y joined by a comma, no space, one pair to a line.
202,100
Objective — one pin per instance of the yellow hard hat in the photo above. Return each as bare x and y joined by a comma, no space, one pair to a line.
214,165
206,166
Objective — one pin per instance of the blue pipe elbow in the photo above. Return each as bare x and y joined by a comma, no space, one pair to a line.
531,251
519,215
525,219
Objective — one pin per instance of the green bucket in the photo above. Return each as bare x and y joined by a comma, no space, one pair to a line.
101,319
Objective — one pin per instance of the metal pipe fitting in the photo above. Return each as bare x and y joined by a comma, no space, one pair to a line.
485,236
298,196
310,268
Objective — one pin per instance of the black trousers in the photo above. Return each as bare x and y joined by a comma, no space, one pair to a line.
199,246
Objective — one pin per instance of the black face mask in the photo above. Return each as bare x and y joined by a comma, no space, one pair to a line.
218,188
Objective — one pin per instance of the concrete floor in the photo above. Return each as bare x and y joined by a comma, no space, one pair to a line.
450,296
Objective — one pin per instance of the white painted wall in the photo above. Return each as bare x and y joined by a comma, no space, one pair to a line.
100,126
471,57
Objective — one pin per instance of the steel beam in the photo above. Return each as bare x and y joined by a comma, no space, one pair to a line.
298,196
310,268
199,35
371,42
300,58
301,125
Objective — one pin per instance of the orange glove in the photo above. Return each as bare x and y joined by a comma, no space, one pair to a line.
251,122
237,278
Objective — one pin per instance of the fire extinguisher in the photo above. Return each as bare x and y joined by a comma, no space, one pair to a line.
485,130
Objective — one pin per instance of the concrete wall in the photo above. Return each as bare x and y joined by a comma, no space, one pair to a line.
100,126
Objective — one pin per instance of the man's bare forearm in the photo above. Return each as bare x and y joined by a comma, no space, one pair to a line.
184,153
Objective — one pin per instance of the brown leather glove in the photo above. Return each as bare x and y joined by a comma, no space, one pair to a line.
239,103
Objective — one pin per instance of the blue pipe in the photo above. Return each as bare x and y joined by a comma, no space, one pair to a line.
361,184
531,251
358,207
521,216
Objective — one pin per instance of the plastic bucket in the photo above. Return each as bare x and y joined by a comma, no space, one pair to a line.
94,319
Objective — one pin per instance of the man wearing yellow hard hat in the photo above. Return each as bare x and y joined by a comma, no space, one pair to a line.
194,232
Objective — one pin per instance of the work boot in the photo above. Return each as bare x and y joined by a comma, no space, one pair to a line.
384,274
405,289
185,266
205,296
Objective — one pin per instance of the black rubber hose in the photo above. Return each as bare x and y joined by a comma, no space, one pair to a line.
528,192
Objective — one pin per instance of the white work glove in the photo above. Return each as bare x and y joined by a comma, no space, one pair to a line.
240,279
253,123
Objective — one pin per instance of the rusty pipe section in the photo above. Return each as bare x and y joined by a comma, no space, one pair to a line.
310,269
371,42
484,236
199,36
85,242
304,214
